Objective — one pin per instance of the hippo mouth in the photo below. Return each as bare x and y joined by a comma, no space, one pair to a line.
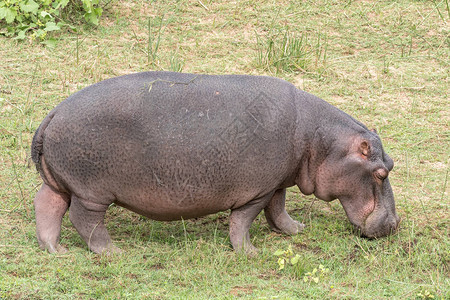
370,220
371,235
377,226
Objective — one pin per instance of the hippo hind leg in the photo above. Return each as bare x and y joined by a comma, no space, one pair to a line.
278,218
88,219
50,207
240,221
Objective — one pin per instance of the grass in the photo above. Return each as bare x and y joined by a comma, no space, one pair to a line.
384,62
287,52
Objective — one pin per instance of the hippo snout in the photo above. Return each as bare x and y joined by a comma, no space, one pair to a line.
380,227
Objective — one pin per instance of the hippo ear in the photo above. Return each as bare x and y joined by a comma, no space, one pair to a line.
364,149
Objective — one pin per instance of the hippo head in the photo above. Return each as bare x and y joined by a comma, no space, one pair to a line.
354,169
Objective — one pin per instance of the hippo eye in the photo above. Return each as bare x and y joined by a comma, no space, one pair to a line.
381,173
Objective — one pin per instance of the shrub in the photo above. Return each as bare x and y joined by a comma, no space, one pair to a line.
35,18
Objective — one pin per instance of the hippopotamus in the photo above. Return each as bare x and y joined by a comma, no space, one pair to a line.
174,146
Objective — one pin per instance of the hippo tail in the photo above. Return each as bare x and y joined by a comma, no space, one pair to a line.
37,144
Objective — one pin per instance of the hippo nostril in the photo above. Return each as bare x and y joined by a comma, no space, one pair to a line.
397,221
393,224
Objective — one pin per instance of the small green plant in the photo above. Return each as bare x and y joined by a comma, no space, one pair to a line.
316,274
425,294
91,11
22,18
286,257
289,258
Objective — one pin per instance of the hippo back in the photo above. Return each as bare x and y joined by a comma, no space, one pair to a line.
171,145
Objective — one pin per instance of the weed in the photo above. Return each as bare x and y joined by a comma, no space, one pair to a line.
425,294
316,274
40,18
286,257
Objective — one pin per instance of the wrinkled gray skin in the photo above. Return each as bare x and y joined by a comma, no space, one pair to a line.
174,146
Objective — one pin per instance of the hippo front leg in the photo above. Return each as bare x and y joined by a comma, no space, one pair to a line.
278,218
240,221
88,219
50,207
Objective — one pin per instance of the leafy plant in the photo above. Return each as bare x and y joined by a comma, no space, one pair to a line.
286,257
92,12
316,274
37,18
425,294
289,258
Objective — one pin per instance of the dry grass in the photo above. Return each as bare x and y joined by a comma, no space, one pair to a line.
387,64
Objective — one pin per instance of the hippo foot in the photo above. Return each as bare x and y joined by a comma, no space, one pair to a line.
289,228
87,218
58,249
277,217
110,250
244,245
61,250
248,250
